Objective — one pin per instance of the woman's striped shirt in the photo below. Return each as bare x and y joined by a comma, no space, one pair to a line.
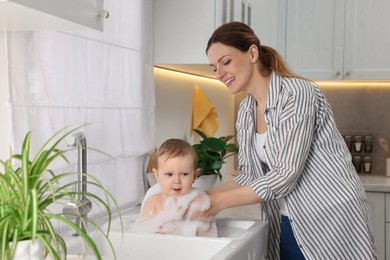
309,165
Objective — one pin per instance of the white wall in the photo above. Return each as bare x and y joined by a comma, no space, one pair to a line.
174,92
5,117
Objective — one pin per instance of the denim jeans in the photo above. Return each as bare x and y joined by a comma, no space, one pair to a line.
289,249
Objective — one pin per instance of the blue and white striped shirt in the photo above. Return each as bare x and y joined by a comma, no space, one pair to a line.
310,166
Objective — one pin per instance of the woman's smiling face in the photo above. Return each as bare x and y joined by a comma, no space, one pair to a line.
232,67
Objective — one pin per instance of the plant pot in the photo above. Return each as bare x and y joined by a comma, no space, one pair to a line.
27,250
205,182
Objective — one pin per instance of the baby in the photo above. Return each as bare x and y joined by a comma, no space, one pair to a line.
169,205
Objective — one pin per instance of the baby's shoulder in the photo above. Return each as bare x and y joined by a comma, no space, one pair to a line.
155,199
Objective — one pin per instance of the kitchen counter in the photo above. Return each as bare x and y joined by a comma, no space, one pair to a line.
371,183
375,183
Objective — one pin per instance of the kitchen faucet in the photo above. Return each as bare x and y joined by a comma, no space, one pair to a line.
79,210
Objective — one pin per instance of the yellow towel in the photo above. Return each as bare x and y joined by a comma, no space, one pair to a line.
204,114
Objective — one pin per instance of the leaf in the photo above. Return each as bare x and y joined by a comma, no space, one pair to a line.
25,162
232,148
213,144
199,132
226,138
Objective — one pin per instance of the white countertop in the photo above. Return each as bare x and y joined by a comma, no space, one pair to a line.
375,183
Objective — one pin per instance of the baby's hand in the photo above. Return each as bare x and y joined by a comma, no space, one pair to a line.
167,228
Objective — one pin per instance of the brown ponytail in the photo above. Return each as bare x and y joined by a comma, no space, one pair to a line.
273,61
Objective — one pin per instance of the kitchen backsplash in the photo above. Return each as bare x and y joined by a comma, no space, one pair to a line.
362,110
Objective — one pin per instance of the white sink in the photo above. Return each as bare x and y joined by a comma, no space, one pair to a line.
150,247
237,239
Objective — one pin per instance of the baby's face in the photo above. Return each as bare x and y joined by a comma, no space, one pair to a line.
176,175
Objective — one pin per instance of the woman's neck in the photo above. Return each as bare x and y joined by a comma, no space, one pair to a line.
259,89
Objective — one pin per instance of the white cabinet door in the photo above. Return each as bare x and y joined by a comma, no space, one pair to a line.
51,14
388,241
388,208
376,201
338,39
367,39
181,30
314,38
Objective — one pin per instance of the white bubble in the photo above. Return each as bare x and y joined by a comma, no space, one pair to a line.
176,218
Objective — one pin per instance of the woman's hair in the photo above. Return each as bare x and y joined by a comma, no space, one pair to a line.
241,36
172,148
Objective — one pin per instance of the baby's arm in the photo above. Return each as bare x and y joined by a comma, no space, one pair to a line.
149,209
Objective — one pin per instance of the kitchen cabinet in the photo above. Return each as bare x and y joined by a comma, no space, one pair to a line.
25,15
183,27
234,10
377,202
387,226
338,39
181,30
388,240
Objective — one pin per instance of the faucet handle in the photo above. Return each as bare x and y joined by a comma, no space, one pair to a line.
72,210
75,138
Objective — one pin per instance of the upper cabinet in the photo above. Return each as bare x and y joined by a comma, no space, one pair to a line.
183,27
27,15
181,30
338,39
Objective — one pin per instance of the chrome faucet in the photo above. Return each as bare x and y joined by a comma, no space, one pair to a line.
79,210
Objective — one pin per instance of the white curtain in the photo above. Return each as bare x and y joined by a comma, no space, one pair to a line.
59,79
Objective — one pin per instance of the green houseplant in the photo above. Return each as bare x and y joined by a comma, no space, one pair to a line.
212,153
28,187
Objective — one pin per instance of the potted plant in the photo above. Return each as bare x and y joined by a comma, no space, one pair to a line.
28,187
212,153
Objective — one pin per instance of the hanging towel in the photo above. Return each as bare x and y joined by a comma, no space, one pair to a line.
204,114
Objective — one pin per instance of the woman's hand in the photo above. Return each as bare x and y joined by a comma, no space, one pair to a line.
211,212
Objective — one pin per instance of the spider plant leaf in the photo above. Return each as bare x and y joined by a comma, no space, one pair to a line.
82,233
34,214
25,162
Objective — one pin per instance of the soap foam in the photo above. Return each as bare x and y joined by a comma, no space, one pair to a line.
177,215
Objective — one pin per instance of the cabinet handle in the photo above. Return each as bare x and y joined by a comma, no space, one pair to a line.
104,14
347,73
338,73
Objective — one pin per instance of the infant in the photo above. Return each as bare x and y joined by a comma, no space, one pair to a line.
169,205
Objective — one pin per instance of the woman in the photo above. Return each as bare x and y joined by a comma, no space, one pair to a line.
292,158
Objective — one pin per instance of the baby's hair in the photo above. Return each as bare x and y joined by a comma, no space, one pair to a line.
173,147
